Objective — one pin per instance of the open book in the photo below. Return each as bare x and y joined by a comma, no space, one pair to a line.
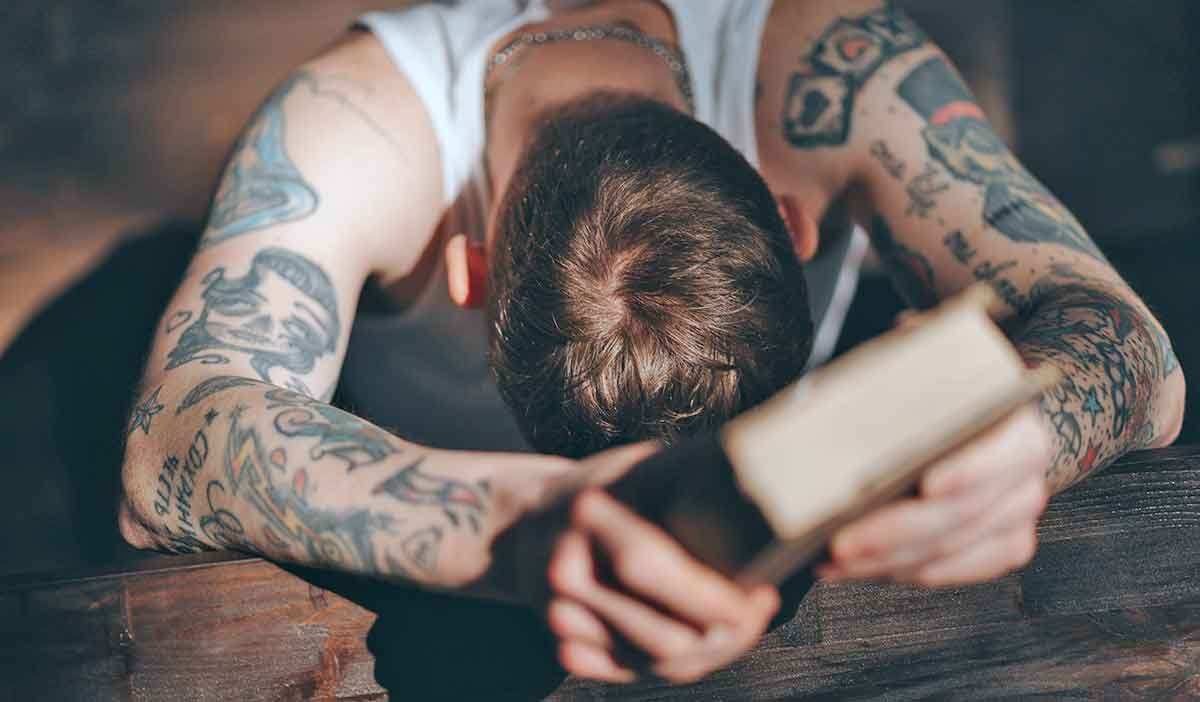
763,498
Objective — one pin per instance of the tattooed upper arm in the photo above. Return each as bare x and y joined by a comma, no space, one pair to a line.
336,163
865,100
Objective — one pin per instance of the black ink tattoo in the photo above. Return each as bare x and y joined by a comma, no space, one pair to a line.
457,499
922,190
421,547
340,434
282,314
962,251
144,413
1168,361
820,95
911,272
212,386
958,136
178,319
893,165
165,486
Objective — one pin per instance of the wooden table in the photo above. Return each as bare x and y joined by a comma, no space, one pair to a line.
1109,609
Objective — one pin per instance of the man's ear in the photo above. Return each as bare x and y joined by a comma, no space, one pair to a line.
466,271
801,225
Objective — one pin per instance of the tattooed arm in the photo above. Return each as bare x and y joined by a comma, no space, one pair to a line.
335,178
868,104
254,467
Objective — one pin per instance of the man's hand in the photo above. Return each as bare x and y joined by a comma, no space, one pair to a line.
623,597
975,517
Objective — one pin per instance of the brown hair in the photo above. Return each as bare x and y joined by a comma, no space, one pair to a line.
643,284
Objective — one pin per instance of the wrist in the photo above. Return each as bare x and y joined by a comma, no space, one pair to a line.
503,559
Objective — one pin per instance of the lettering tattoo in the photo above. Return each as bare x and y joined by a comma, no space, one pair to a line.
1007,290
911,272
820,94
458,500
281,314
177,486
890,162
922,191
144,413
959,138
962,251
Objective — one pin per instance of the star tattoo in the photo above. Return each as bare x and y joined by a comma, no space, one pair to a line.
210,416
144,413
1091,403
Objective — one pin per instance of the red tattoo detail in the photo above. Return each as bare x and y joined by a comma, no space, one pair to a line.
956,110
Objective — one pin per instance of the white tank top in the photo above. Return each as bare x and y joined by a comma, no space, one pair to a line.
423,373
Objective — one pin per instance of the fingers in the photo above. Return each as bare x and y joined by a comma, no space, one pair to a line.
590,661
570,620
987,560
573,575
650,563
599,622
1009,522
910,529
1016,447
958,494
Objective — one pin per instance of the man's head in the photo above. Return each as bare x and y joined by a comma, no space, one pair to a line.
642,283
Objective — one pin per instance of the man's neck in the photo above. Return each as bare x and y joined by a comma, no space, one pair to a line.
553,74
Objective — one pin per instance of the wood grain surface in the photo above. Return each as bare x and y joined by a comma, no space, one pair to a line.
1109,609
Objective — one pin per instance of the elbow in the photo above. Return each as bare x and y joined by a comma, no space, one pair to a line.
1169,410
132,529
135,507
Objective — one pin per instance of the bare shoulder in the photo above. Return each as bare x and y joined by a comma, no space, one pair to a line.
816,60
343,152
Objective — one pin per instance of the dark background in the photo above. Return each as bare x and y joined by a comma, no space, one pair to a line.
115,116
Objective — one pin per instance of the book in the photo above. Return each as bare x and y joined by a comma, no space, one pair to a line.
762,498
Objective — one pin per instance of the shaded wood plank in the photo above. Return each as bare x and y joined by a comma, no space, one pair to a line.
1110,608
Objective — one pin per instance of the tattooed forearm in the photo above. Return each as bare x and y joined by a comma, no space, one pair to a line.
959,138
340,435
1110,353
144,413
175,490
291,478
911,272
819,104
281,314
457,499
252,472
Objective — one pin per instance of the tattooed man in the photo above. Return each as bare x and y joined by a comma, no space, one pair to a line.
632,190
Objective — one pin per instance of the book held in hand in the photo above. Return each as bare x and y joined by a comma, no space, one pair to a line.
763,497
